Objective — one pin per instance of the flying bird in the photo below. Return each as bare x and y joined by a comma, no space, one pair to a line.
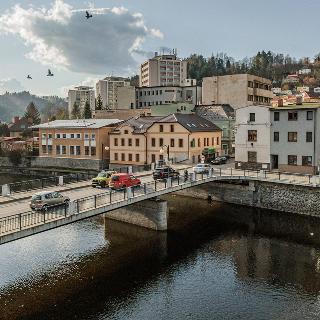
50,74
88,15
29,77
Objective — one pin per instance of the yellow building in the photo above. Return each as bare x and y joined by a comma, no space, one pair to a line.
179,137
75,143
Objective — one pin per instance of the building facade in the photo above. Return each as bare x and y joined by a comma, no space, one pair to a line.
238,90
177,137
153,96
80,95
86,141
252,138
285,139
163,70
116,92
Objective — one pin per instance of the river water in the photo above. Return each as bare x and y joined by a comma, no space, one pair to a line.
217,261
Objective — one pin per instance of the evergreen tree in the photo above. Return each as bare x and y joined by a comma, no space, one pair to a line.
99,104
87,111
32,113
75,112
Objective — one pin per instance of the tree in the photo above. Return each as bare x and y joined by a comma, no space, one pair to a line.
87,111
32,113
75,112
4,130
99,103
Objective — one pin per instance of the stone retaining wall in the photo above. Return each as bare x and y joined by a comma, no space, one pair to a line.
266,195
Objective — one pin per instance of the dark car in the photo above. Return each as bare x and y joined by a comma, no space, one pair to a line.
219,160
164,173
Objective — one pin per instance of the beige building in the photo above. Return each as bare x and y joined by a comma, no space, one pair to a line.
61,141
80,95
116,92
179,137
238,90
163,70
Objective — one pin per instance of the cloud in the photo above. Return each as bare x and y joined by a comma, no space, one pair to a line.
62,37
10,85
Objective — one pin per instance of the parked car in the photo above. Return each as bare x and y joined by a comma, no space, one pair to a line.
219,160
164,173
123,180
202,168
102,179
44,200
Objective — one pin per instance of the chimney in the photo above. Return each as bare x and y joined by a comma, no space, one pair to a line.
299,100
15,119
280,103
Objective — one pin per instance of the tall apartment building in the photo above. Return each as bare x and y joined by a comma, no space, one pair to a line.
163,70
237,90
80,95
116,92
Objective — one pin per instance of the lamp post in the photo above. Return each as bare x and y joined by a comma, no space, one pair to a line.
104,148
162,151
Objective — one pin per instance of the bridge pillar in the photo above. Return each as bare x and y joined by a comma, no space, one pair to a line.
151,214
60,180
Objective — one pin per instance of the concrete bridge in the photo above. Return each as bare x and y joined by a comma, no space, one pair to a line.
142,206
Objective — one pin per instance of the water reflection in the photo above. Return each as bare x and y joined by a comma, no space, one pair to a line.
216,262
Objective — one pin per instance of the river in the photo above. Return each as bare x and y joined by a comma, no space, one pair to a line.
217,261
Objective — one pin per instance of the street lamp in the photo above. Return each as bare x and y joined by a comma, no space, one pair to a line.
162,151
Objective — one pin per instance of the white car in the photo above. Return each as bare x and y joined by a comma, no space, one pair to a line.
202,168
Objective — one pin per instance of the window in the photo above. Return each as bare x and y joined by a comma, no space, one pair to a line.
137,157
161,128
122,142
153,158
130,142
309,137
58,136
252,117
252,156
71,150
44,149
93,137
58,150
78,150
116,156
172,143
64,136
199,142
126,131
123,157
252,135
116,142
86,151
292,137
212,141
292,160
49,149
161,142
218,141
276,116
137,142
153,142
130,156
292,115
171,128
86,136
64,150
309,115
180,143
78,135
72,136
49,136
204,142
306,160
93,151
276,136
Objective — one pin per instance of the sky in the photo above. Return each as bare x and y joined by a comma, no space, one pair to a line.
39,34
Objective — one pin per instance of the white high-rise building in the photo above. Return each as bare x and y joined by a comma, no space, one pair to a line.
80,95
116,92
163,70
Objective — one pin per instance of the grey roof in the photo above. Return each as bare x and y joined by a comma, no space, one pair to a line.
78,124
215,112
191,122
140,124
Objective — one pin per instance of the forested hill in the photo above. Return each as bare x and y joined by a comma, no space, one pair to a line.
12,104
274,66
